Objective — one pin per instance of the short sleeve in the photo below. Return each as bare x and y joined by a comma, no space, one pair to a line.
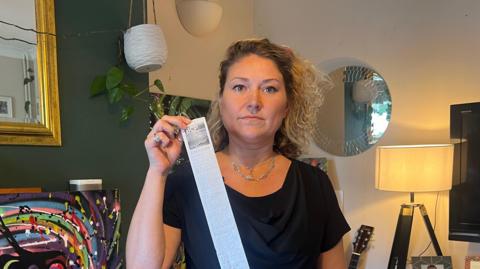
172,213
336,225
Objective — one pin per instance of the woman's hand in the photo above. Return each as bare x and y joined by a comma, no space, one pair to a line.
164,142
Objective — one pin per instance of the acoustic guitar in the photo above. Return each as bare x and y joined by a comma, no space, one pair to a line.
364,234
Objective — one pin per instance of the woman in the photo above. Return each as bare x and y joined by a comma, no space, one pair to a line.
286,211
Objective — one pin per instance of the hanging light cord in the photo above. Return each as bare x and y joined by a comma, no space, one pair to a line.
154,12
26,29
144,2
130,14
144,13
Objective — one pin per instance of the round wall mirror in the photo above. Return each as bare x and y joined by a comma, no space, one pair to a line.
356,112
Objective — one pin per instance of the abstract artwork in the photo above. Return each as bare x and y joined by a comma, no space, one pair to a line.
60,230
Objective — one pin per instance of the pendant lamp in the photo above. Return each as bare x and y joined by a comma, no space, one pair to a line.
144,45
199,17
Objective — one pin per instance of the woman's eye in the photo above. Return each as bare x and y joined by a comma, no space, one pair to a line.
238,87
270,89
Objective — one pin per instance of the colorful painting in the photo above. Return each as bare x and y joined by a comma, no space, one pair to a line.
60,230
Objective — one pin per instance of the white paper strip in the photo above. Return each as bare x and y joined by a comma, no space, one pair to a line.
213,195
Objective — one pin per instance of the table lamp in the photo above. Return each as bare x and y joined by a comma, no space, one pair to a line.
412,168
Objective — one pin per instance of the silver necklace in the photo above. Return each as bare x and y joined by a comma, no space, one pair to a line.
250,176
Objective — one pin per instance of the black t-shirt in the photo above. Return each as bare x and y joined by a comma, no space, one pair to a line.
286,229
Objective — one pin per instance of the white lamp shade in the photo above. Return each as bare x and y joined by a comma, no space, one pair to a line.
145,48
199,17
414,168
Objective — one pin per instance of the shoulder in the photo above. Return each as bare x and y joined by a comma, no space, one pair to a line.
310,172
316,182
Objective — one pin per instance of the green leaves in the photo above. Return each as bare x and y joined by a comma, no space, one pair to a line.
102,84
114,77
158,83
126,113
115,95
98,86
119,92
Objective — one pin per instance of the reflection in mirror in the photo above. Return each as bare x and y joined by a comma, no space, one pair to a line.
29,108
17,63
356,111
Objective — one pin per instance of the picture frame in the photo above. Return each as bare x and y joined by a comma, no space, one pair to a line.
6,109
432,262
472,262
319,162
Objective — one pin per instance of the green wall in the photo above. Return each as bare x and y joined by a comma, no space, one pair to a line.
94,144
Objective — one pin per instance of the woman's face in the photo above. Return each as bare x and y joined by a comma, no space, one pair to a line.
254,100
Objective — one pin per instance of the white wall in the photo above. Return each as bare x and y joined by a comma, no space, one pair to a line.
427,51
192,64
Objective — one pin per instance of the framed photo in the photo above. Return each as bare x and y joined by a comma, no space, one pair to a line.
321,162
432,262
472,262
6,110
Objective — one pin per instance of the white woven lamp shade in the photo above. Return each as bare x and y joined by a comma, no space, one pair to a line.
199,17
145,48
414,168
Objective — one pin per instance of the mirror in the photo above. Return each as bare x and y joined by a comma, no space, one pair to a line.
356,112
29,104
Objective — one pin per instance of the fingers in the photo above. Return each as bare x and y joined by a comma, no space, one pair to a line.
161,139
166,129
170,125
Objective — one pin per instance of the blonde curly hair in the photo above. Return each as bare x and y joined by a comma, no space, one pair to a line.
305,88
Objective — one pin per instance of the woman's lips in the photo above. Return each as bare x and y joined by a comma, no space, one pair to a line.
251,118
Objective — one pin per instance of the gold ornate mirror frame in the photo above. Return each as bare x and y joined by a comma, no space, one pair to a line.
46,133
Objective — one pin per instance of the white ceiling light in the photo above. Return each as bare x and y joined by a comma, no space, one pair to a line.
199,17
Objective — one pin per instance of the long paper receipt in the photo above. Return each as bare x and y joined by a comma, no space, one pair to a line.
220,219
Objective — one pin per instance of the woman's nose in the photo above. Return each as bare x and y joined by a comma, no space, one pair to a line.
254,102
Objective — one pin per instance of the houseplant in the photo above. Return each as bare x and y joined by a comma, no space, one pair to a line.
118,91
144,49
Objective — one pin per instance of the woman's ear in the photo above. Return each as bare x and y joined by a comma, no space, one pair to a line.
219,100
286,111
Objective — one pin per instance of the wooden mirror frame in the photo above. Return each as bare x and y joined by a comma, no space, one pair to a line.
46,133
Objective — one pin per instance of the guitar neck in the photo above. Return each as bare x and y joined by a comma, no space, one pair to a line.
354,261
